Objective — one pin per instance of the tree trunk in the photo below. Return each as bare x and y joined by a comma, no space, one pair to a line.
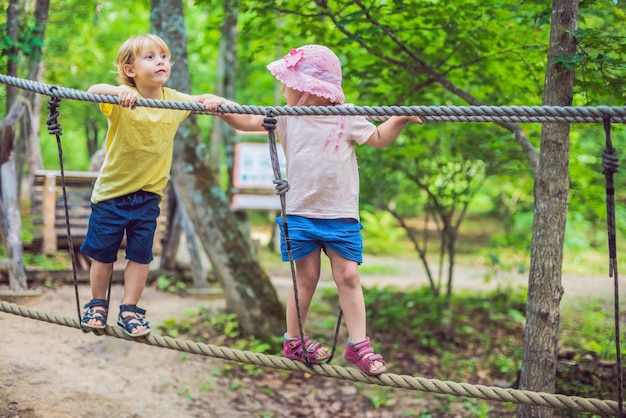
35,69
13,14
182,217
247,287
551,203
17,275
222,135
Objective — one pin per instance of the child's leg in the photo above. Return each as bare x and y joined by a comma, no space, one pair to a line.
104,234
346,276
307,277
135,277
99,276
142,209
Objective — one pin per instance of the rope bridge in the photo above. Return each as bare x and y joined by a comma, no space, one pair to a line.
540,399
498,114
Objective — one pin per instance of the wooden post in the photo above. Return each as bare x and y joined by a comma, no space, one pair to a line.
49,234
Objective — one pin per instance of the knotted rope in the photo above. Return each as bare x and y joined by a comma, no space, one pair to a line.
541,399
54,128
504,114
610,165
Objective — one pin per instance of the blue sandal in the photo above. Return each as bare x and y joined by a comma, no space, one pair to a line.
91,312
130,322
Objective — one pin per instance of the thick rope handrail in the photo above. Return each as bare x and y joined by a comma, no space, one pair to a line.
540,399
504,114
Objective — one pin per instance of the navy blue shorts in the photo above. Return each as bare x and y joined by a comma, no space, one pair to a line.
134,214
306,235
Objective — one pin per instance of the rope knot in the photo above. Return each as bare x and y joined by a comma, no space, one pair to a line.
282,186
610,161
54,127
269,123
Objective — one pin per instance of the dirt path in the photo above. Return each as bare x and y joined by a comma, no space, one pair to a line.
52,371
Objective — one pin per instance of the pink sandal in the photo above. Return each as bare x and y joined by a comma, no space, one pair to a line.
362,354
292,349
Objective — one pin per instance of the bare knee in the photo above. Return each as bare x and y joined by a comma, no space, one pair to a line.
347,279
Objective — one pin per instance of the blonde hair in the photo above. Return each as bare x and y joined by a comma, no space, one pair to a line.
131,48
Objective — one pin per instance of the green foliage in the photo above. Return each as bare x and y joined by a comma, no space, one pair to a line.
58,261
500,266
589,325
169,284
415,318
27,40
494,54
206,325
600,61
381,234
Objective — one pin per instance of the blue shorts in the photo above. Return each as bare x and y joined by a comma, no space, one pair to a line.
306,235
134,214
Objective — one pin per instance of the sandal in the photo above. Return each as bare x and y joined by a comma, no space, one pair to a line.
292,349
362,354
91,312
130,322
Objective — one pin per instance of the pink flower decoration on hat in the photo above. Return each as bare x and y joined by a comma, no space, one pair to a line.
294,56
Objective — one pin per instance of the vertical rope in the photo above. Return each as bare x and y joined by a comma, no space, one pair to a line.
610,164
54,128
282,186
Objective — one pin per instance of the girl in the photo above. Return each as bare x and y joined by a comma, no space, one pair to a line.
322,205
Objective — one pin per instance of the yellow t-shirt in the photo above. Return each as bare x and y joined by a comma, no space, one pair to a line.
138,148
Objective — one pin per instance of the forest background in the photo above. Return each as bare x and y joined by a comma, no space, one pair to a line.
472,53
495,53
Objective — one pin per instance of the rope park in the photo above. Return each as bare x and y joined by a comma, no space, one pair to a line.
503,114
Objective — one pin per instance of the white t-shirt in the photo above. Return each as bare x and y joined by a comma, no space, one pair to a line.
322,168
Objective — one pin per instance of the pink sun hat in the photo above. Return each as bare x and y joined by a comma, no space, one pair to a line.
313,69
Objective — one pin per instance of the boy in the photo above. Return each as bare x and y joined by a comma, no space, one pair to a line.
130,185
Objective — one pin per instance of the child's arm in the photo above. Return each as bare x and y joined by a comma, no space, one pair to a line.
127,97
388,131
243,122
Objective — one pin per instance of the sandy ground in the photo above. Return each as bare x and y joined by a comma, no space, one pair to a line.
53,371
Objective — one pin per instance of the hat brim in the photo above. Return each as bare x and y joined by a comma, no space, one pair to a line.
296,80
